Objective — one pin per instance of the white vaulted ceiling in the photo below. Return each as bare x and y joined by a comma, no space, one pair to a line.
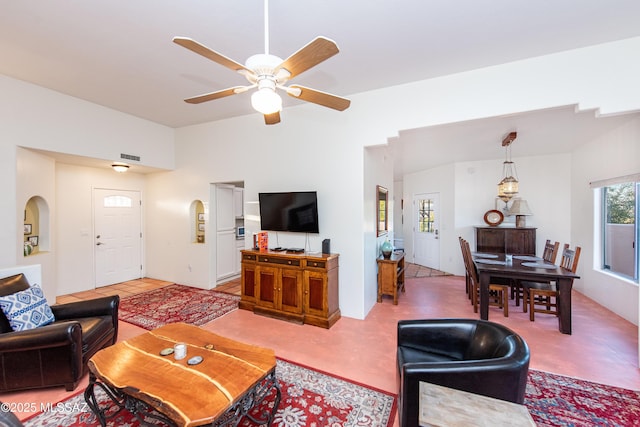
120,54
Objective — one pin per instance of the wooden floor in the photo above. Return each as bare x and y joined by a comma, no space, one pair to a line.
603,347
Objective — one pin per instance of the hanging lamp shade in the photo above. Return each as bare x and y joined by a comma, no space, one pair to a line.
508,187
501,194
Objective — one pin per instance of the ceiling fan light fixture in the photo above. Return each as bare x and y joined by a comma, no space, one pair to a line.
265,100
269,72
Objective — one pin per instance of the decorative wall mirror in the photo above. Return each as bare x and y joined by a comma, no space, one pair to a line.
382,198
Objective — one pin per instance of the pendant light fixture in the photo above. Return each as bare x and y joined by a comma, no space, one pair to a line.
508,187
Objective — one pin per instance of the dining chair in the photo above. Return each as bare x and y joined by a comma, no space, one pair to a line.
499,294
543,297
467,279
549,254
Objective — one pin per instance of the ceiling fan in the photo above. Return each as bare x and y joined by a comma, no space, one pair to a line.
268,72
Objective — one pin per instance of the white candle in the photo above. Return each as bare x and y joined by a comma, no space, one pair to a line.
180,351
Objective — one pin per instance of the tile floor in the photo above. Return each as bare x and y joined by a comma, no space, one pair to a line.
603,347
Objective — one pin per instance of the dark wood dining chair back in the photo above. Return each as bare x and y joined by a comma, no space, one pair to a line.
550,252
570,258
466,267
500,297
543,297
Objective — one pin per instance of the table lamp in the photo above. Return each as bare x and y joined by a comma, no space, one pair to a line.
520,209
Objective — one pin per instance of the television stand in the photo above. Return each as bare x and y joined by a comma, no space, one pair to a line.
295,250
301,288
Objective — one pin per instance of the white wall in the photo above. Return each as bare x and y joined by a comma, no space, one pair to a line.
398,214
312,149
614,154
437,180
378,170
34,117
74,212
35,178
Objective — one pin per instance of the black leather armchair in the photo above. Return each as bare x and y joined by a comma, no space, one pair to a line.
55,354
476,356
7,418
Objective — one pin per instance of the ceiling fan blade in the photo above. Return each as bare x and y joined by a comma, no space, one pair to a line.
318,97
216,95
272,119
312,54
200,49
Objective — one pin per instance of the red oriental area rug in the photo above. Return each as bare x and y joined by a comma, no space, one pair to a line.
556,400
175,303
309,398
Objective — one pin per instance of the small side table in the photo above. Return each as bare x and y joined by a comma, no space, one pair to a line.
391,276
444,406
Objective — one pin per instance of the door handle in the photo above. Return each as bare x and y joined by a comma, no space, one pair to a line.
99,243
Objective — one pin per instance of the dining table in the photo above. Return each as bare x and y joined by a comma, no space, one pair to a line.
527,268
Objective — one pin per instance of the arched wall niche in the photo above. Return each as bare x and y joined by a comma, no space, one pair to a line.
197,221
37,228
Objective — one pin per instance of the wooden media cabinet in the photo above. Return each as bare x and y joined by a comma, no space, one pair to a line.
297,287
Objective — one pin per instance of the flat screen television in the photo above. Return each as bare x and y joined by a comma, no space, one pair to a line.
291,211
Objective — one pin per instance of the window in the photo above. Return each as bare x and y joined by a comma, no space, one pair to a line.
118,202
426,215
620,228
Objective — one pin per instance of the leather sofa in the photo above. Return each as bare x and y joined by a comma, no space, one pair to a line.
54,354
7,418
476,356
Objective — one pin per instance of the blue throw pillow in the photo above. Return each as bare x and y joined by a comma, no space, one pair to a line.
27,309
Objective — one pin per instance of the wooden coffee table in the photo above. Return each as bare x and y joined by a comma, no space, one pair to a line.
232,378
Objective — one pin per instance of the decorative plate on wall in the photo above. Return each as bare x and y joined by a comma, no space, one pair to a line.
493,217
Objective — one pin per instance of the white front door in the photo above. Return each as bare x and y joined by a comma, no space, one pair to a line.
426,239
117,242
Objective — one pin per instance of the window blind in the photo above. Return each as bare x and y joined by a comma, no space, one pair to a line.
613,181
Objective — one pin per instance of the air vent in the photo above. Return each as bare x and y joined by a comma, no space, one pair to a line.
129,157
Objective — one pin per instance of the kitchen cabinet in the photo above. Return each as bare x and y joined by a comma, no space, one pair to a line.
225,258
238,202
227,246
225,216
238,255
